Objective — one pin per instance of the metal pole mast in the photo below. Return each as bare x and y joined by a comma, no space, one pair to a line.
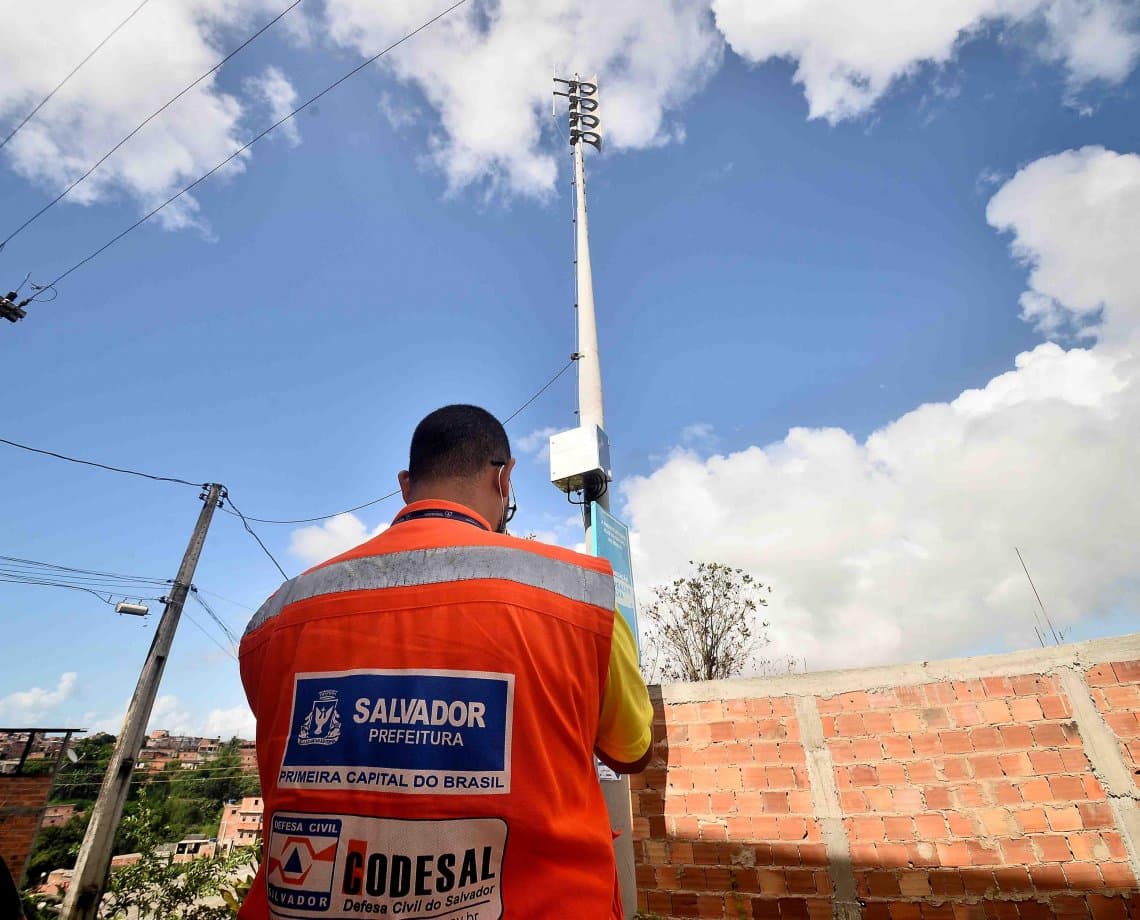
94,862
585,129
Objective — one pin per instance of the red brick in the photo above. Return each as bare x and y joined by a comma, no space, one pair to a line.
877,723
1045,762
1056,734
937,797
867,749
865,828
1052,848
953,854
930,827
898,828
926,743
1118,875
1032,820
1101,676
1016,737
1095,814
965,715
1012,878
910,800
1005,793
1055,707
1031,684
1075,760
898,746
906,721
1107,908
1082,874
961,824
1123,723
1127,671
997,821
994,712
1067,788
1015,764
1025,709
997,686
956,742
1048,877
986,767
1017,851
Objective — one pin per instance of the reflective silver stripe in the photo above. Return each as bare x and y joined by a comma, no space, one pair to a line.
440,565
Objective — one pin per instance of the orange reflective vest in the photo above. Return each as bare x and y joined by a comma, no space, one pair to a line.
427,706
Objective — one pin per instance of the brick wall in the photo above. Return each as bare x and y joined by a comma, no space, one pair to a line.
22,800
1004,787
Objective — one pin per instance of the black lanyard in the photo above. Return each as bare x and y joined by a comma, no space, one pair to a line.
440,513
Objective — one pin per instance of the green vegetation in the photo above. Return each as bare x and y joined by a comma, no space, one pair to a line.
164,806
158,888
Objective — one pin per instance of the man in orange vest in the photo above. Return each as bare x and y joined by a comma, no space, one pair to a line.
429,705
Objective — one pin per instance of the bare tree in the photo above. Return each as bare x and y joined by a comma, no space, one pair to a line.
705,626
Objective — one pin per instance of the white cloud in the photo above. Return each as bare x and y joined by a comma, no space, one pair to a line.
847,55
162,50
323,541
26,707
171,714
699,434
399,114
1057,208
902,546
486,70
537,443
226,723
274,89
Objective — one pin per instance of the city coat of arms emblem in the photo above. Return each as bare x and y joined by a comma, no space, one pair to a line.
322,724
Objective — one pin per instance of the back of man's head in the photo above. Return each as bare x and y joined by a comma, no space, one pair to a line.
457,442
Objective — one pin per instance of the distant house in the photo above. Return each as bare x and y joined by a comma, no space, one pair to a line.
57,815
241,823
194,846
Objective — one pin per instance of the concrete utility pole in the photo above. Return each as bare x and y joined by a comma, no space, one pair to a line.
585,128
94,862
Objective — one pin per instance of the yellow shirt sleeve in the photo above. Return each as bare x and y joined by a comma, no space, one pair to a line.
625,726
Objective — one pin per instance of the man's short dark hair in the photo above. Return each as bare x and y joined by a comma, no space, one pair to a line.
457,442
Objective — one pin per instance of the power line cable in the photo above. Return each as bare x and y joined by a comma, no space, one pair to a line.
54,584
250,531
322,517
228,600
102,466
202,630
244,147
74,71
103,159
207,773
221,624
545,387
33,563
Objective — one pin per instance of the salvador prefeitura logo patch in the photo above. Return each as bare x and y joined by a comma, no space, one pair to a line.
416,732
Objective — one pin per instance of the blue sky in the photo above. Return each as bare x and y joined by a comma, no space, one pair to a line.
757,272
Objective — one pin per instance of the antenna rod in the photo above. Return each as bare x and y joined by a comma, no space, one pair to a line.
1056,638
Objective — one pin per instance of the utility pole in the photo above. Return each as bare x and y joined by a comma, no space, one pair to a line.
94,862
585,128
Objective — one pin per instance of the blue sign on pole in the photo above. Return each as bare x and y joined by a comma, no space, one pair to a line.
609,539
